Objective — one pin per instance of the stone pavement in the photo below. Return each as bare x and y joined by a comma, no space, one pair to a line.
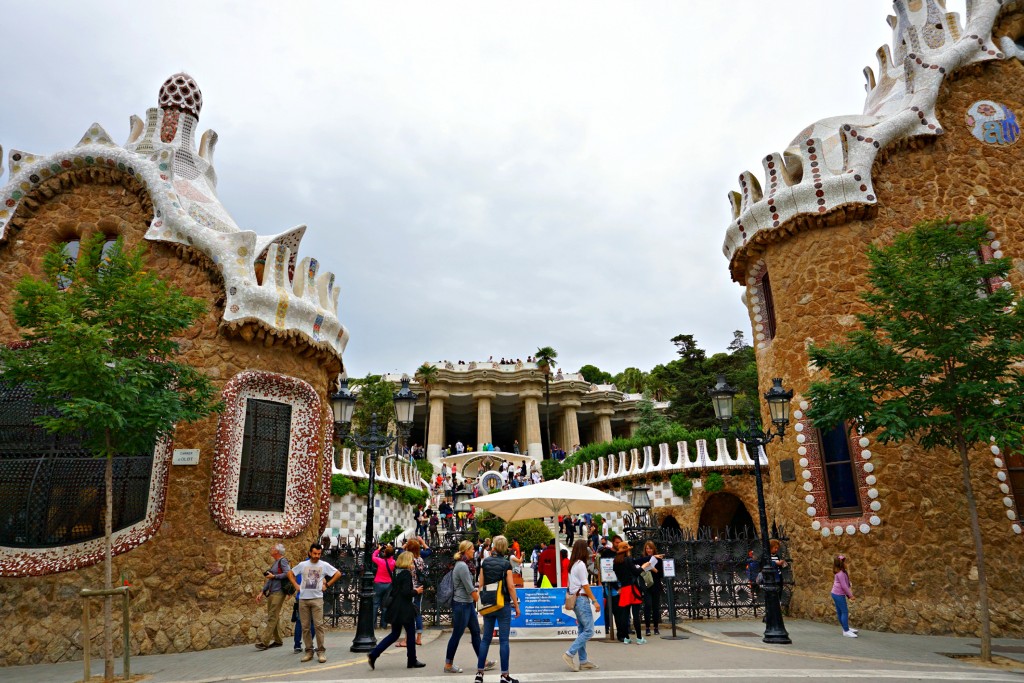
714,650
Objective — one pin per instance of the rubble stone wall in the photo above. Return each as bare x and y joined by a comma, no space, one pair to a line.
915,571
195,585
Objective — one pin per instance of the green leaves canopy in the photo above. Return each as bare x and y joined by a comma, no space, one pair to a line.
938,356
102,351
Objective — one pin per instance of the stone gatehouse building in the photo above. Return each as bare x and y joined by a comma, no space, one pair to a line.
939,136
194,531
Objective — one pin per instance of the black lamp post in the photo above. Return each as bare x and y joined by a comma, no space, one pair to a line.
373,441
755,438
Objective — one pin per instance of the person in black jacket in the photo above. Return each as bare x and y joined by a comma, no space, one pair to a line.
401,613
627,571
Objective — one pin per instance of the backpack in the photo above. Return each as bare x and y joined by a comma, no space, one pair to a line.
446,590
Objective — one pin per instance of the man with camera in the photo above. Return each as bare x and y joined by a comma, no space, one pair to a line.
275,578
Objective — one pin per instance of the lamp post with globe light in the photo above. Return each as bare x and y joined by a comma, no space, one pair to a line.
755,438
373,440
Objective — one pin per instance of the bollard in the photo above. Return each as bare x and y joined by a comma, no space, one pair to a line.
124,591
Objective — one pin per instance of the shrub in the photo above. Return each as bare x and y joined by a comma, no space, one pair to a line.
714,482
682,485
673,434
493,525
551,469
529,532
426,469
341,485
391,534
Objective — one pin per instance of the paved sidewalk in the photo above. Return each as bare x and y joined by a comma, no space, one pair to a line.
824,639
714,650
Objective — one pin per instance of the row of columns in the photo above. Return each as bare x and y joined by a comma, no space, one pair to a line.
566,430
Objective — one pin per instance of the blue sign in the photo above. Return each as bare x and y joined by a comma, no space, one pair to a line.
542,614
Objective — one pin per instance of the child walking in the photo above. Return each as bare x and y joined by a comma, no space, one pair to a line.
841,592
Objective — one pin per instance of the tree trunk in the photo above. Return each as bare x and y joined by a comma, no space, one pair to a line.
979,552
108,516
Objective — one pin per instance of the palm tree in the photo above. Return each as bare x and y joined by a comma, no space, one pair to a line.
656,386
631,381
545,357
426,375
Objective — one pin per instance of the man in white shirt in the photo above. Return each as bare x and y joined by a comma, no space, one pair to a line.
316,576
459,448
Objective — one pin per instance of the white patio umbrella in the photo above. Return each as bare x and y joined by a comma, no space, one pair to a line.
549,499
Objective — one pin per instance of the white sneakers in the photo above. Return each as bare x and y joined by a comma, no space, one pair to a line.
850,634
570,661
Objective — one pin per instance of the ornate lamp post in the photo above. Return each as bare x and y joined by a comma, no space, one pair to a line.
373,441
754,437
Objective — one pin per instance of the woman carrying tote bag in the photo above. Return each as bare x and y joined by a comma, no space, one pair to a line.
401,613
585,606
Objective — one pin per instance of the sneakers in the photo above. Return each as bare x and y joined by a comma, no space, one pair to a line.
641,641
261,646
570,661
625,641
657,632
306,657
507,678
298,650
489,664
322,658
415,664
588,665
274,645
855,630
850,634
647,632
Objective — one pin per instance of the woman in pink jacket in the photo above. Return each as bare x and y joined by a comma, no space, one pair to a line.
841,592
384,558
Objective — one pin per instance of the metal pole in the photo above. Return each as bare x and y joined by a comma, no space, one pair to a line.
86,640
775,629
366,639
126,615
672,612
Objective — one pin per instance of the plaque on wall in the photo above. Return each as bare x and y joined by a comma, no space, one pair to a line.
185,456
788,470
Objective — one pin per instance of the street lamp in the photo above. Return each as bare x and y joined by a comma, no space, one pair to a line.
755,438
373,441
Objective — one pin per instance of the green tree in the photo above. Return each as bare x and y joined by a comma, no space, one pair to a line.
651,423
688,378
631,380
376,396
101,354
545,357
937,359
427,376
595,375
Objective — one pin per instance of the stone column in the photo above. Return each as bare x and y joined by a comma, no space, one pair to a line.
435,431
483,418
570,426
632,425
604,424
531,415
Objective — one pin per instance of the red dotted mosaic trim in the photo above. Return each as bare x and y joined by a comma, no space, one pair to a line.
42,561
813,476
325,490
303,455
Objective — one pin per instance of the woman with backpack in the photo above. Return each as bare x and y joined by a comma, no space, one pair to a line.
464,614
585,606
494,569
401,613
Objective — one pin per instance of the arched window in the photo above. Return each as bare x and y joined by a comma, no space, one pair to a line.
840,478
71,248
1015,468
51,486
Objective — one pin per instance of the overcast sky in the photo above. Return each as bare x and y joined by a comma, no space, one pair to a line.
483,178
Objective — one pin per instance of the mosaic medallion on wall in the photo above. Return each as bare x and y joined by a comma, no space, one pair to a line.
993,123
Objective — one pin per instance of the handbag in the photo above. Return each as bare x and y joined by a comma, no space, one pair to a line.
286,586
648,576
629,596
388,597
570,599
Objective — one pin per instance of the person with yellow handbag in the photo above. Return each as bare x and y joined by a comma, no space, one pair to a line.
497,600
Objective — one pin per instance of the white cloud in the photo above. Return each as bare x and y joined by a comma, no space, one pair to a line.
483,178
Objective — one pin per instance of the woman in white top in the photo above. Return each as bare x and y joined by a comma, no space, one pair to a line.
586,606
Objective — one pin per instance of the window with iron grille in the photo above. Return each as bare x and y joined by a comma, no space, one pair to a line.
767,307
840,478
263,477
51,487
